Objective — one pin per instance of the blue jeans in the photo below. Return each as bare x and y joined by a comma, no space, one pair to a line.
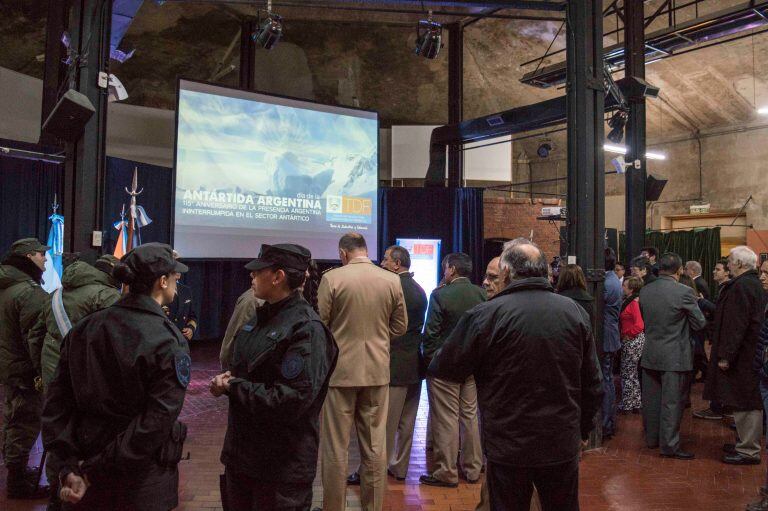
609,395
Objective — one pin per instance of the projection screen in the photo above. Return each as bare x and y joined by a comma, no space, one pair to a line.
252,168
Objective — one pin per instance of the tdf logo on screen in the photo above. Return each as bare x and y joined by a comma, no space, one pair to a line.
349,209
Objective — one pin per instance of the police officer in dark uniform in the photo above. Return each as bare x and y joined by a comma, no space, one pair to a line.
181,310
110,415
281,364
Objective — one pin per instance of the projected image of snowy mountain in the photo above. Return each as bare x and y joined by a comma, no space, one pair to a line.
251,162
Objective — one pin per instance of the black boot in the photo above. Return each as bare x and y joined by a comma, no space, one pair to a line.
22,486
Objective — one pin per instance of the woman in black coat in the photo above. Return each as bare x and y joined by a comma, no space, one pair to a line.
111,409
572,283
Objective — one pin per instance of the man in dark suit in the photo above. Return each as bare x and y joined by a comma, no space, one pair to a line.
670,313
693,270
405,368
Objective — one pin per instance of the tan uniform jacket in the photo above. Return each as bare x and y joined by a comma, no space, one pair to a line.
364,308
245,308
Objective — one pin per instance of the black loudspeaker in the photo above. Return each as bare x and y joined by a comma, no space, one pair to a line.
653,188
68,118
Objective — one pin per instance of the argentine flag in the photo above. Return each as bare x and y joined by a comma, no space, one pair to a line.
53,262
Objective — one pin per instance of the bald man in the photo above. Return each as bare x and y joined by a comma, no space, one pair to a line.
494,281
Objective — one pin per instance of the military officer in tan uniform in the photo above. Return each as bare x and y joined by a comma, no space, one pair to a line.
364,307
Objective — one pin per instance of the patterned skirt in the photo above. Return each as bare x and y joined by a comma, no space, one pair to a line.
631,350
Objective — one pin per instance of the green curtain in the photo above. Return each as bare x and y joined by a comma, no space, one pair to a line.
702,245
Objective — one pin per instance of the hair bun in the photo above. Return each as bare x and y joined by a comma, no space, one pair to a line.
123,273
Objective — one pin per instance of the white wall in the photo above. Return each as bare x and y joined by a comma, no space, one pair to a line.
410,156
133,132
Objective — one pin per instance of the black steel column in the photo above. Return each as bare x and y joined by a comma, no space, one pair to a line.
586,174
455,99
84,173
586,100
55,70
247,54
634,49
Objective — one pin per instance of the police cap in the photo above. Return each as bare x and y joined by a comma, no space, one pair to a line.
26,246
283,255
153,259
106,263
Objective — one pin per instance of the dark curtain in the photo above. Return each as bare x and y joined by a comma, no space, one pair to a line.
453,215
215,284
156,199
702,245
27,189
468,227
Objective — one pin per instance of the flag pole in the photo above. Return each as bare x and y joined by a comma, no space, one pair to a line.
133,192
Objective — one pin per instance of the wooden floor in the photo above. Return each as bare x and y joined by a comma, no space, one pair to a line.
623,475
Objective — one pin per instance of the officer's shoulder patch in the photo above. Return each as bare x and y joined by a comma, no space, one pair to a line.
183,368
292,365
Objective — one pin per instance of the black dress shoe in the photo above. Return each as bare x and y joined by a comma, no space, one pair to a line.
432,481
353,479
736,458
760,505
679,455
392,474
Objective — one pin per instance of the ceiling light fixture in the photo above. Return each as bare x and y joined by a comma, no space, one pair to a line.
617,123
545,148
763,111
429,38
620,149
270,31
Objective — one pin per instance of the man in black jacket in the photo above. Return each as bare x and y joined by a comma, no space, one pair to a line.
110,412
732,379
282,362
538,380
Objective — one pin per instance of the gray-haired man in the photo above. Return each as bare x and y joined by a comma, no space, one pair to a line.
529,372
732,380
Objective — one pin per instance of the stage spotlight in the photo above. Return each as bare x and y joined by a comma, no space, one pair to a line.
429,38
617,123
270,32
545,148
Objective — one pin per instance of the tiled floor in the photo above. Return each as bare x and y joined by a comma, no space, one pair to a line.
622,476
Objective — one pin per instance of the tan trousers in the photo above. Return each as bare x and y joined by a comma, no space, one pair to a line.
401,419
749,428
451,405
366,408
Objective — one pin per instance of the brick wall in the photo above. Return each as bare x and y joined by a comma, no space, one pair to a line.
511,218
